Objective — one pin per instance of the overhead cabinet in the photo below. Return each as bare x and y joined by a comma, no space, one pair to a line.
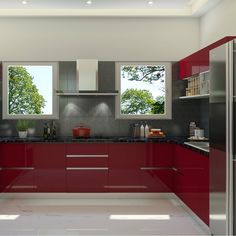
198,62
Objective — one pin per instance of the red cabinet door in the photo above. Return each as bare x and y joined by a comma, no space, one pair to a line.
49,164
199,61
17,180
16,171
125,162
87,167
192,180
12,155
157,169
90,179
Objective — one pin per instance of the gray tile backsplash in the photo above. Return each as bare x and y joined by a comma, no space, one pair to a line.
98,112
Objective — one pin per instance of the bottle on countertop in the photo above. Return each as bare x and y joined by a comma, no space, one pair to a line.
136,130
48,131
142,131
146,131
54,130
45,131
192,127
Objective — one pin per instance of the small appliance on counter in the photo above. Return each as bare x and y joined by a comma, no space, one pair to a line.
156,133
81,131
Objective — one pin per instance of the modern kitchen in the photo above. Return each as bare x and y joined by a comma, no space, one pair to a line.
117,117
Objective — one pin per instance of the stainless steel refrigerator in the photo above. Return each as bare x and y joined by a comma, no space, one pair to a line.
222,139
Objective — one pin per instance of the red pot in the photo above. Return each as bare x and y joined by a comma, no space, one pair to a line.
81,132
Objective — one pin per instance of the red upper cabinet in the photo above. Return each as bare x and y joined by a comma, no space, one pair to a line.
191,181
49,164
125,162
198,62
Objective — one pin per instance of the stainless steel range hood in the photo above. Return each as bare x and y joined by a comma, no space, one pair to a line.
87,75
86,79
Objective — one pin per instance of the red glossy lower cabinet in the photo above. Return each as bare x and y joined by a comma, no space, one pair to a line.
157,167
191,181
12,155
157,179
87,167
16,169
86,179
125,162
49,164
17,180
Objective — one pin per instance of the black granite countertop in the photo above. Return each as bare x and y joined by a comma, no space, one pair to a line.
100,139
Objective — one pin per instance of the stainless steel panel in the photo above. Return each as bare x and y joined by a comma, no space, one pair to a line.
218,141
234,198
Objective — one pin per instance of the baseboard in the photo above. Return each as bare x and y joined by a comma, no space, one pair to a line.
84,195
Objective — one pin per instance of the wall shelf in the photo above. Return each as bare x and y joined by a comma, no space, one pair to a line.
201,96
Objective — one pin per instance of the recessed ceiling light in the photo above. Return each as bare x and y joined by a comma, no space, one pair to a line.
24,2
150,2
89,2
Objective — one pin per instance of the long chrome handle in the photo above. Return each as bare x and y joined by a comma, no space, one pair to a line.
22,186
156,168
229,135
87,155
16,168
87,168
125,186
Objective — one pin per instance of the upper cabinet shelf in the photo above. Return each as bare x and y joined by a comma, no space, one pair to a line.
201,96
86,93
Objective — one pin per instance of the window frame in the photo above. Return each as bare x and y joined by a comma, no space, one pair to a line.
5,86
168,92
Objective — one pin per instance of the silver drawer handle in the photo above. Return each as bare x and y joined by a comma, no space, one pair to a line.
86,168
22,186
156,168
87,155
16,168
125,186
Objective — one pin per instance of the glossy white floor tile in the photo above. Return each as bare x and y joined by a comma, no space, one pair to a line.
95,217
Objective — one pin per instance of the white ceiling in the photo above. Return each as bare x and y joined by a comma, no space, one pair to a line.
187,8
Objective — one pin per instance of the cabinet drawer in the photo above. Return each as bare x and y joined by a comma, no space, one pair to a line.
158,179
17,180
86,161
12,155
86,179
159,154
87,149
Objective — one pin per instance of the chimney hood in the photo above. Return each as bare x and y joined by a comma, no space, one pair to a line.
87,75
87,81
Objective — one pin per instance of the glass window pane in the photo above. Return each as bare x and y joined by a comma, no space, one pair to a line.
143,89
30,89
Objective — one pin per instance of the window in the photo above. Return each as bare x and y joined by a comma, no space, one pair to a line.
144,90
29,90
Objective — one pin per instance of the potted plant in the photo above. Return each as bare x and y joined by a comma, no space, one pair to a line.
22,127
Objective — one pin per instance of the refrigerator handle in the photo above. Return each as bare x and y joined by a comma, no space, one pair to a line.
229,136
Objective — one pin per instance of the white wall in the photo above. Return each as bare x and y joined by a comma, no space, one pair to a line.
164,39
218,23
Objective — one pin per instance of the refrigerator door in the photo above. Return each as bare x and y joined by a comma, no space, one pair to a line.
234,140
234,199
217,135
